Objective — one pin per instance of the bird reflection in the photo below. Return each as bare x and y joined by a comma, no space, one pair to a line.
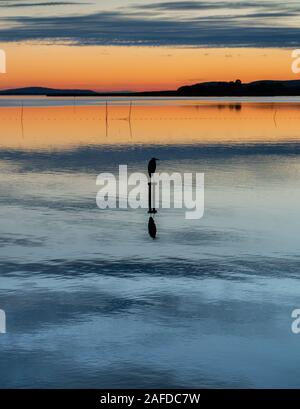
152,228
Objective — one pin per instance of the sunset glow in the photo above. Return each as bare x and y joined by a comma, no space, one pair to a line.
190,122
138,68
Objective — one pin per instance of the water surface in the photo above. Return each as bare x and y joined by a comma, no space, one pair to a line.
92,301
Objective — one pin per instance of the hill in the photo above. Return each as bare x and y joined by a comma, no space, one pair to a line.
216,89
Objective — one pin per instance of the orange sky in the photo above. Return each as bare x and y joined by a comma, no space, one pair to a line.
137,68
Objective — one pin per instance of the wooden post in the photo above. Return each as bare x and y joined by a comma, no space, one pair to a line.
151,210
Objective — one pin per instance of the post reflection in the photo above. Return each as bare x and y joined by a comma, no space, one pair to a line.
152,230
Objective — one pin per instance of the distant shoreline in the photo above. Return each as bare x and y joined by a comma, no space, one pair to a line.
265,88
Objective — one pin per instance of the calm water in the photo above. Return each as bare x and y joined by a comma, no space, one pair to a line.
92,301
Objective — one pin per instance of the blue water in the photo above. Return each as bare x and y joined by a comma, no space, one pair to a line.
92,301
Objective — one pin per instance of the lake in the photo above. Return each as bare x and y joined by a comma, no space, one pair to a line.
91,301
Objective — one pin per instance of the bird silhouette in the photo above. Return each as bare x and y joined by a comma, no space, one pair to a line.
152,166
152,227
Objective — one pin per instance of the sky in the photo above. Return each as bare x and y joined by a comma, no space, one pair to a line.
142,44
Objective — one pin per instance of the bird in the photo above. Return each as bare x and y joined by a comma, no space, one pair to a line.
152,166
152,228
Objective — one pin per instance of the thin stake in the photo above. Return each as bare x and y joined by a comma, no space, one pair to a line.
130,111
106,117
22,115
274,118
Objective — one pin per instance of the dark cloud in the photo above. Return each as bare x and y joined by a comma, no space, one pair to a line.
204,5
13,4
145,24
117,28
261,9
270,14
